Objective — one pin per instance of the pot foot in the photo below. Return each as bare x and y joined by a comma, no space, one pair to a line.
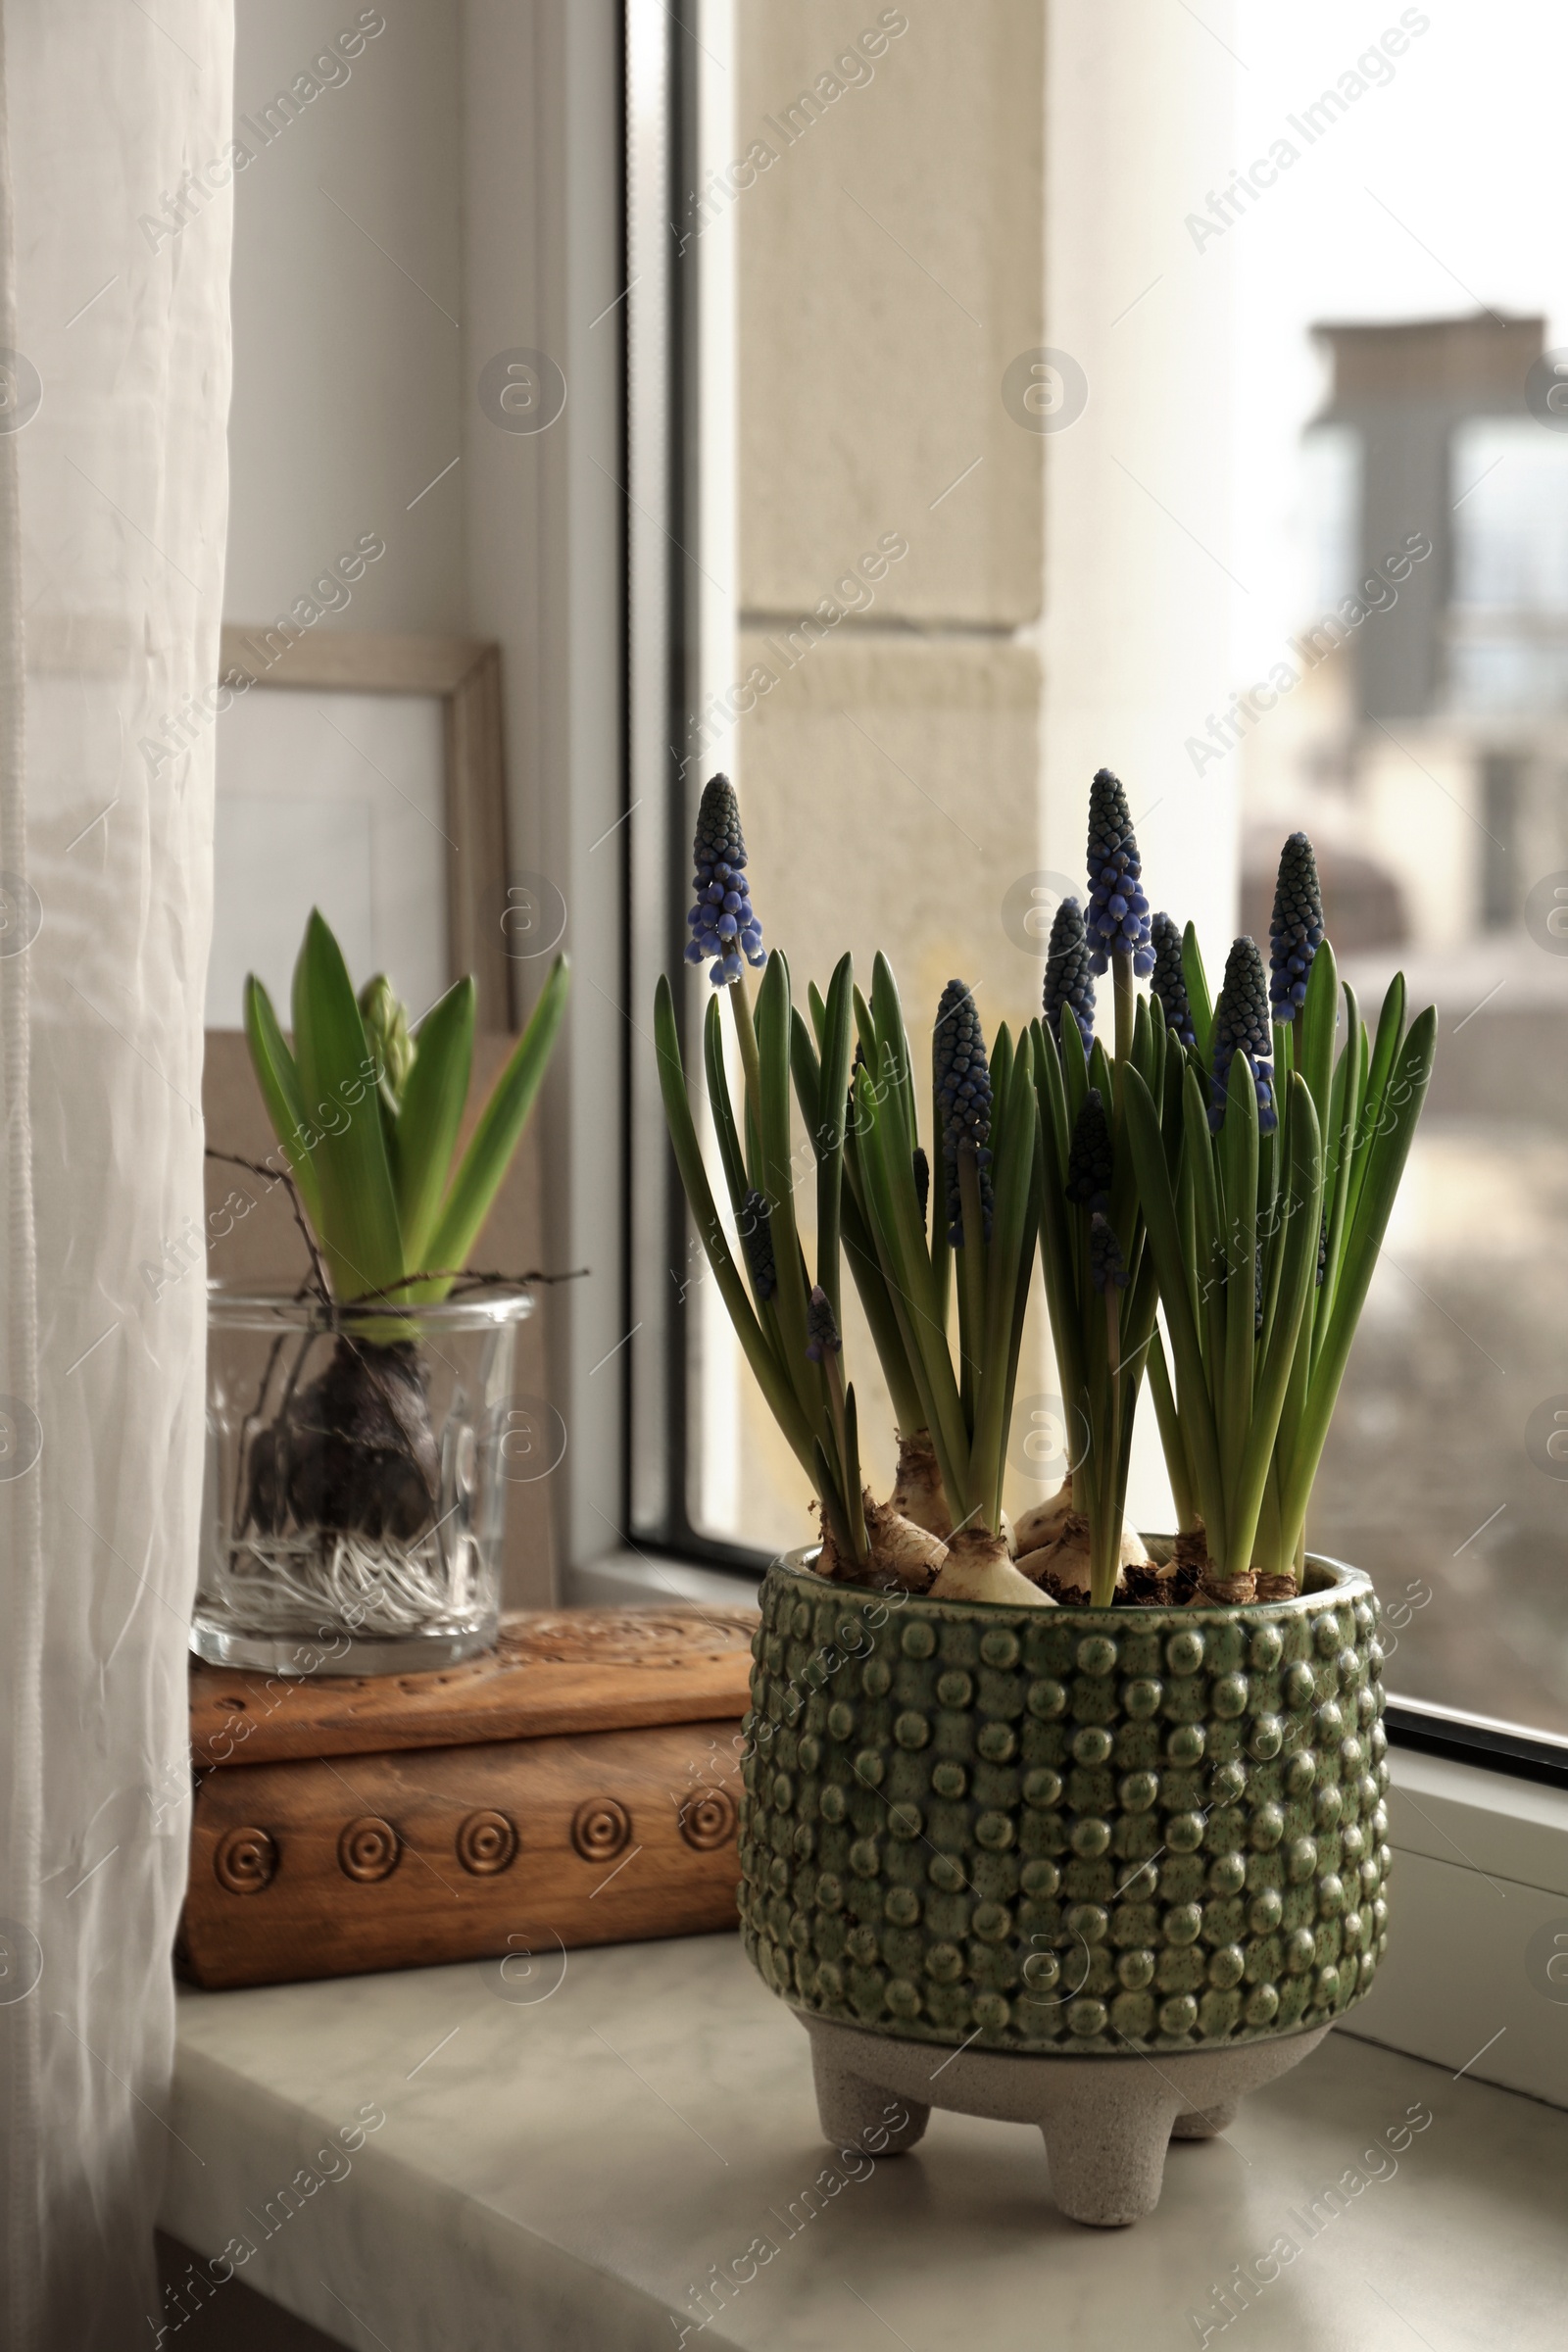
855,2112
1204,2123
1107,2121
1107,2155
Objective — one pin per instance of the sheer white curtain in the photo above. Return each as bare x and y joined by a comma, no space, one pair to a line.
114,395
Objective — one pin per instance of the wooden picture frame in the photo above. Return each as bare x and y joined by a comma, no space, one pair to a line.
465,674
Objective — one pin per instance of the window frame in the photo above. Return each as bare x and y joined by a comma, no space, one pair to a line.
666,305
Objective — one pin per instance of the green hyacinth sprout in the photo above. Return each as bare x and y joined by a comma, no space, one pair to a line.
783,1319
367,1115
1265,1244
980,1245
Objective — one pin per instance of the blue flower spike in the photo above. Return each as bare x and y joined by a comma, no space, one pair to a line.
1296,933
1089,1162
822,1331
1170,981
1117,920
722,923
962,1078
1107,1268
1241,1026
757,1232
1069,974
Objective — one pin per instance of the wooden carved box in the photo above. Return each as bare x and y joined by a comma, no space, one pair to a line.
576,1785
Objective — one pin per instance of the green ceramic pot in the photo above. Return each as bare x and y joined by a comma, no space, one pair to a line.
1080,1830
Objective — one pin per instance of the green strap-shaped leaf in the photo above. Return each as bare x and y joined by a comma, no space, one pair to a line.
773,1027
893,1217
827,1133
1057,1250
1001,1064
969,1272
721,1109
1010,1237
1141,1301
854,1484
1336,1135
1208,1231
805,1069
1199,1002
1142,1054
1195,1402
1173,1442
825,1480
1387,1150
1052,1092
941,1248
431,1113
864,1029
780,1396
1316,1023
879,1241
1303,1210
279,1081
359,1228
1237,1160
909,1411
893,1062
1385,1047
500,1129
1026,1259
1349,1087
1156,1073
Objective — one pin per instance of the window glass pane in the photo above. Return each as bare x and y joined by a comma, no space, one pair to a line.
1054,434
1390,293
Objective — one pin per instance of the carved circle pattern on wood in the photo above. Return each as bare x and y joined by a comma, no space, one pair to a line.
487,1844
707,1820
369,1849
245,1861
600,1828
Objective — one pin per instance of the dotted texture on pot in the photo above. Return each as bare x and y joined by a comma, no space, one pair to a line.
1080,1830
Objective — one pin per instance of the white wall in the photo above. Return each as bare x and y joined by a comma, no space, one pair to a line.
543,272
1140,568
1139,565
453,193
348,390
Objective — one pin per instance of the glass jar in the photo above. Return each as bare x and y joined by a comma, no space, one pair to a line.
357,1465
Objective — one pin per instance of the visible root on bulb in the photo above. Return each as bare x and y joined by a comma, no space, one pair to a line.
1228,1592
917,1489
903,1555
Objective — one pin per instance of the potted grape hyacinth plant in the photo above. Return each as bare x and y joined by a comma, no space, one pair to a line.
353,1517
1056,1797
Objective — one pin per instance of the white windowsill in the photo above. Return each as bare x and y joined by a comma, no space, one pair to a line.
563,2173
561,2161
